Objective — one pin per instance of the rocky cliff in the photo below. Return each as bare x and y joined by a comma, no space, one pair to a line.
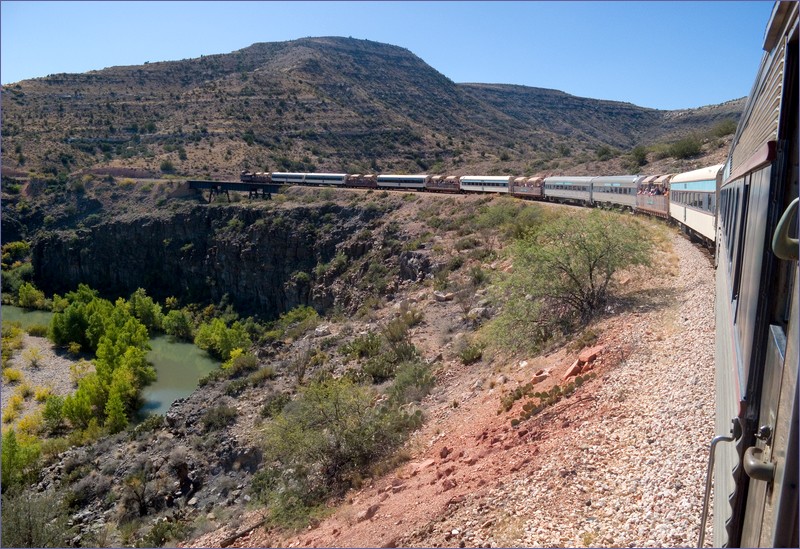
262,258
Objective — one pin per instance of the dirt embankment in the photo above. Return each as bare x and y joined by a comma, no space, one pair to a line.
620,462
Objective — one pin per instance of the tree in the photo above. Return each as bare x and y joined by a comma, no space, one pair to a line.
19,458
116,418
146,310
178,323
30,297
571,261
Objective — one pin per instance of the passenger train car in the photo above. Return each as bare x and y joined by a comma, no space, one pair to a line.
754,456
693,201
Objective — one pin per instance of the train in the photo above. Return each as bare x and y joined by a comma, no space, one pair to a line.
693,204
753,459
746,210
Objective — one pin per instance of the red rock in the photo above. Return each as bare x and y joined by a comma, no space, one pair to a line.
444,452
538,378
417,467
573,370
448,484
368,513
588,355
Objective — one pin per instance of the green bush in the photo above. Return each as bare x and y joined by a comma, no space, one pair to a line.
363,346
471,353
293,324
219,340
726,127
219,417
37,330
274,404
412,382
35,520
178,323
686,148
563,276
30,297
53,412
323,444
20,460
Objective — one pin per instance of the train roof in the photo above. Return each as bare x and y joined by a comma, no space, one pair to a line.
325,174
396,176
496,178
703,174
617,179
568,179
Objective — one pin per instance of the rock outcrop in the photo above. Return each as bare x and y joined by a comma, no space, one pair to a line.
263,259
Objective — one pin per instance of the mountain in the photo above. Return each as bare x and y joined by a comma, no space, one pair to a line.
314,104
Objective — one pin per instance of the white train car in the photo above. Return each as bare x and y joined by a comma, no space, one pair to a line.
412,182
287,178
337,179
619,190
693,201
486,183
576,189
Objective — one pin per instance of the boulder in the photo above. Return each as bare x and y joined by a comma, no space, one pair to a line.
441,296
588,355
368,513
539,376
573,370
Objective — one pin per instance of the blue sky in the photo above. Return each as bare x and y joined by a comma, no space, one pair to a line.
665,55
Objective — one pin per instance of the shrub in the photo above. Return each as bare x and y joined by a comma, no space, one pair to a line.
74,348
726,127
219,340
41,394
20,455
35,520
178,323
53,413
240,362
323,444
33,356
471,353
685,148
412,382
37,330
261,375
162,532
167,166
293,324
31,424
274,404
219,417
10,375
363,346
30,297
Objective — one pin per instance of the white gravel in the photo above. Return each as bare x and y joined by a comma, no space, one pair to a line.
631,473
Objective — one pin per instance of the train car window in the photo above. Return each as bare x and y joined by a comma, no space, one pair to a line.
740,223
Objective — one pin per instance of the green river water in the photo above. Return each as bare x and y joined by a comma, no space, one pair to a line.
179,365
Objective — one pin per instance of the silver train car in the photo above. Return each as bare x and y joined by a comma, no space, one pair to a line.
617,190
486,183
693,201
753,460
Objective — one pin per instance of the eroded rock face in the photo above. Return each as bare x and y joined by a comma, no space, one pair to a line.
262,258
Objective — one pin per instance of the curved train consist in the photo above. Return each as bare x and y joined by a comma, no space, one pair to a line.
747,208
692,203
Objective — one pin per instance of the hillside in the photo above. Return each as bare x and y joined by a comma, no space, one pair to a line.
314,104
